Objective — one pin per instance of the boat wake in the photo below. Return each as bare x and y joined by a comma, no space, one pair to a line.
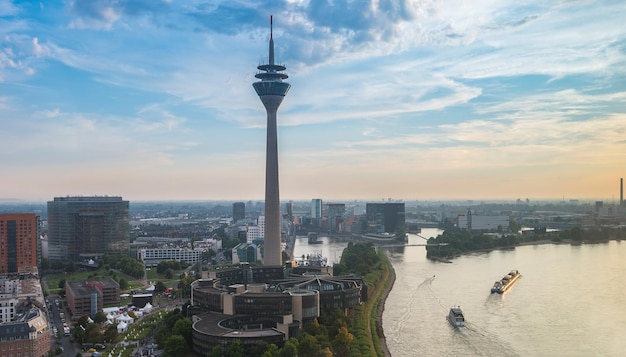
476,340
401,323
482,343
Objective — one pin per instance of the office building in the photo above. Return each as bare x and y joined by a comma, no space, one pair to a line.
335,213
271,90
289,210
316,212
81,228
387,217
246,252
18,242
261,312
89,297
239,211
473,222
316,208
153,256
256,232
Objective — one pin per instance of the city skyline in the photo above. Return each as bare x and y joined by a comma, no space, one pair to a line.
152,100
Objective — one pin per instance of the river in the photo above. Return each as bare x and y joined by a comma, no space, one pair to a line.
568,302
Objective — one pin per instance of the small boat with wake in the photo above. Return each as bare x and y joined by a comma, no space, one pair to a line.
456,317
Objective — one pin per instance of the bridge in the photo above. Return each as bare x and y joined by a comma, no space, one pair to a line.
413,245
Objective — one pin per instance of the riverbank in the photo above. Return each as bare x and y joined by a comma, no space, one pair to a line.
448,259
381,308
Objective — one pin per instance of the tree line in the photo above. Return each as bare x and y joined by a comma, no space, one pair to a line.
460,241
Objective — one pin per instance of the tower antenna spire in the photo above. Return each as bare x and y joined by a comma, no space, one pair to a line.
271,57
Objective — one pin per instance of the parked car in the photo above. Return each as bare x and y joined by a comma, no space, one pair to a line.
87,346
100,346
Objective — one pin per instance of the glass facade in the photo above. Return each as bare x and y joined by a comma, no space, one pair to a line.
385,217
87,226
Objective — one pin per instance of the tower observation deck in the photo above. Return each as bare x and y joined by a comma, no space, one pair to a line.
271,90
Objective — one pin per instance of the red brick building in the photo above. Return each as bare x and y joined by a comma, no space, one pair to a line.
18,241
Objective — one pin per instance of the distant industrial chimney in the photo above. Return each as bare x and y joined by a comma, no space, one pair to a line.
621,191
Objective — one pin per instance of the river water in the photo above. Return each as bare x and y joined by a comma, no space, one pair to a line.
568,302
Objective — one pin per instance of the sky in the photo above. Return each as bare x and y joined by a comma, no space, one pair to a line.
408,100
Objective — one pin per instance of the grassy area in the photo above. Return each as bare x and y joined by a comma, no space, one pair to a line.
54,279
153,276
366,335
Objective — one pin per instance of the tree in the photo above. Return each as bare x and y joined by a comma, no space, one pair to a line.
123,284
44,264
169,274
110,334
93,334
326,352
271,351
100,317
183,328
216,352
62,284
159,287
235,349
342,342
256,349
176,345
290,349
308,346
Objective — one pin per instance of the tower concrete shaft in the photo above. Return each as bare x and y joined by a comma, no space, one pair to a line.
271,90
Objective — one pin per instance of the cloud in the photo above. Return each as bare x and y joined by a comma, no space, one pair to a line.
15,58
8,9
40,50
379,88
97,15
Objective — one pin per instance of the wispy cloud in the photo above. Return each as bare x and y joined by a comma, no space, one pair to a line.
410,93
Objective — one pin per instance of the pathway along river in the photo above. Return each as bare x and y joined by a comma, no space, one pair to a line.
570,300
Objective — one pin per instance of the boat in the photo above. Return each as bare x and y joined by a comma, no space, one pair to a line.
456,317
506,282
313,238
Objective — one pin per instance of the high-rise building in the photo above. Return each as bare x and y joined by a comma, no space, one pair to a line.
86,227
316,208
335,213
271,90
289,209
18,241
239,211
385,217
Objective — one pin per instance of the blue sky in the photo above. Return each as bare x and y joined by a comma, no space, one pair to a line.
153,100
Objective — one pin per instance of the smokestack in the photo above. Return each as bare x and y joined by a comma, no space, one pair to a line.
621,191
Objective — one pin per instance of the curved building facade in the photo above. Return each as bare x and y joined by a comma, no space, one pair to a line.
211,330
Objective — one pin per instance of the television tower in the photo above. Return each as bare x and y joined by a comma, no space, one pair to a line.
272,90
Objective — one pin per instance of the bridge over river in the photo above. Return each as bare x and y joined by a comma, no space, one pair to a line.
414,245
